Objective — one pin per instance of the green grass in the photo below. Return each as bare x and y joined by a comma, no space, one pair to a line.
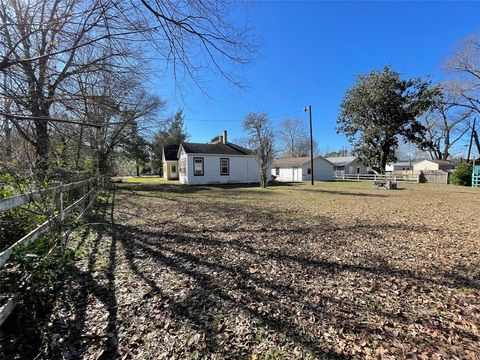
140,180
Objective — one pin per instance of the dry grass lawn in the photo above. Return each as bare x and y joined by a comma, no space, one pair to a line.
338,270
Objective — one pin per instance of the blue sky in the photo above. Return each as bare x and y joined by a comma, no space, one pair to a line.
310,53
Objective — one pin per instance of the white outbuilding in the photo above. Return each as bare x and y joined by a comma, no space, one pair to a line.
434,165
298,169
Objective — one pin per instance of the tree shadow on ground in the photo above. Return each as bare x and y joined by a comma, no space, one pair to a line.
27,338
204,265
220,285
177,188
215,280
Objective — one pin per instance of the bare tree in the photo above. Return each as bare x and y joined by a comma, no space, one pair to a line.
408,151
48,44
446,123
294,138
464,66
261,138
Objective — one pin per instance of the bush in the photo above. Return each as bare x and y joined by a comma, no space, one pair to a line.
462,175
40,273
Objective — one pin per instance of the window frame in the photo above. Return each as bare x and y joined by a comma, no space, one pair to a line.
203,166
309,171
228,167
172,167
277,171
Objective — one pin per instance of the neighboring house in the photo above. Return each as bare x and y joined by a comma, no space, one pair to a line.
298,169
348,165
170,162
434,165
400,166
217,163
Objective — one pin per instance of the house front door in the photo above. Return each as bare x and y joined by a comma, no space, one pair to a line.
295,174
173,171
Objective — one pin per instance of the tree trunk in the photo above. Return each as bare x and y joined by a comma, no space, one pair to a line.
103,166
41,147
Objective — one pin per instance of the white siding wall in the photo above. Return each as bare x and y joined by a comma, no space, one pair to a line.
285,173
322,169
425,165
356,168
243,169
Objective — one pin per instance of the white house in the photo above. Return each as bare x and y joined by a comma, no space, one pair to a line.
435,165
400,166
217,163
298,169
348,165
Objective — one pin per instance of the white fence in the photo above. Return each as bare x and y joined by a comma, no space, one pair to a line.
90,188
375,177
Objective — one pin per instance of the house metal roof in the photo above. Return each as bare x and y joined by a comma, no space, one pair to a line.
404,163
218,148
341,160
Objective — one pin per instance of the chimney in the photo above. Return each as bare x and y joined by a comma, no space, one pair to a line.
224,139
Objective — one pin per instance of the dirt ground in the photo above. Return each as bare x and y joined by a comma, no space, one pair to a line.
338,270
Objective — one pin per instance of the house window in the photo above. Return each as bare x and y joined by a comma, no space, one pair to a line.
198,166
358,170
174,169
277,171
224,166
309,171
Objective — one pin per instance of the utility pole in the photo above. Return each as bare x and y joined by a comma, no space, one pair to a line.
309,109
471,140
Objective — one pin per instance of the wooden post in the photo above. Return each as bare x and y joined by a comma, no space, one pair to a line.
84,193
62,215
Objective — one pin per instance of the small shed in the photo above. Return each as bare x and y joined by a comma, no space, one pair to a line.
434,165
298,169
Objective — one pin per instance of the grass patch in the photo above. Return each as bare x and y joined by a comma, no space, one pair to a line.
144,180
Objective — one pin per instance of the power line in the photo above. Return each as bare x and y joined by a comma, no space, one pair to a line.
39,118
237,120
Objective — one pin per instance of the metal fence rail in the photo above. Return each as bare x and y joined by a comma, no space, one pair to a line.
85,201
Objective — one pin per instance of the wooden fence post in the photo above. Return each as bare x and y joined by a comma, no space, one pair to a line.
62,215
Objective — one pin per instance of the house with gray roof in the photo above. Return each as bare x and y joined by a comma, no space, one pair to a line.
220,162
400,165
348,165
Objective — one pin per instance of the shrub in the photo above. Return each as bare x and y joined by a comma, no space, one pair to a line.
462,175
40,273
